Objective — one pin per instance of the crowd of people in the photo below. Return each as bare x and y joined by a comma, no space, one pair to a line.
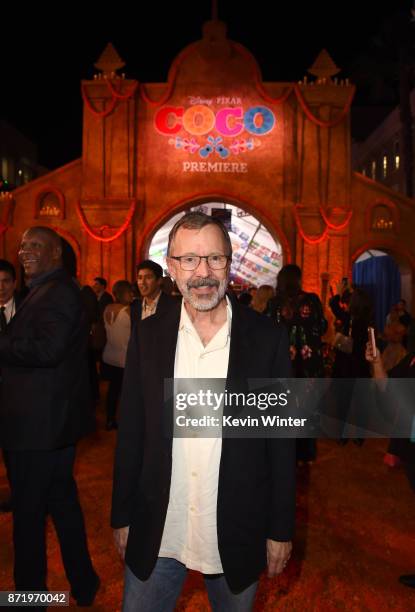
223,507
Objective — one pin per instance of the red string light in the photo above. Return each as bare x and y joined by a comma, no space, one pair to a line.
258,78
328,223
296,89
308,239
120,96
4,226
171,80
331,225
96,236
320,122
115,97
101,114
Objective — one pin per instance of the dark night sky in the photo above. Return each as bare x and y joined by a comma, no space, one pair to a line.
45,54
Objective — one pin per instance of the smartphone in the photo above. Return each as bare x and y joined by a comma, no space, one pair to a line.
372,340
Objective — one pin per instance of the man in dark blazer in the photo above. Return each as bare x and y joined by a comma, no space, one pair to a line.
149,277
45,409
9,301
98,336
233,514
104,298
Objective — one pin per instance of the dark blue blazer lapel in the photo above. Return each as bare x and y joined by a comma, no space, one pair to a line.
33,296
165,327
240,353
37,292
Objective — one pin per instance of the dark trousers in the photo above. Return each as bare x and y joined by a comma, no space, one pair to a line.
93,374
42,483
115,376
6,500
306,449
410,472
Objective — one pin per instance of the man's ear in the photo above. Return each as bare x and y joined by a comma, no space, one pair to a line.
171,268
57,253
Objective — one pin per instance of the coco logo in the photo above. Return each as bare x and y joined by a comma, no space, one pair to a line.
199,120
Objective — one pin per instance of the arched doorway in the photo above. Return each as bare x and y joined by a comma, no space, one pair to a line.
257,256
387,277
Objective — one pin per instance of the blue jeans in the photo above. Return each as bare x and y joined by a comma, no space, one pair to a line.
160,592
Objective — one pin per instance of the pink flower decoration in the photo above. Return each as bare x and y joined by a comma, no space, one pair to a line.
306,352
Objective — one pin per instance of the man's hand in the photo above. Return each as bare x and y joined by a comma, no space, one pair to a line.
121,539
278,554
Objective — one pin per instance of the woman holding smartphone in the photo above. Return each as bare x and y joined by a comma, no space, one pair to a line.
405,448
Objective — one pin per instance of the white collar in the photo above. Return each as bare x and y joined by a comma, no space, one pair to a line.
10,303
153,302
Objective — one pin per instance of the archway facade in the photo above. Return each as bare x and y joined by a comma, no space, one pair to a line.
215,132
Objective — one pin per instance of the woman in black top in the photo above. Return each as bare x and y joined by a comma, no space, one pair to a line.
405,448
302,313
354,314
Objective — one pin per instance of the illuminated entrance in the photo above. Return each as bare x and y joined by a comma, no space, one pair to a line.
256,256
386,277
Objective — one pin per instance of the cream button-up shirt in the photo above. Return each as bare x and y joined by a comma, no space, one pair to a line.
190,531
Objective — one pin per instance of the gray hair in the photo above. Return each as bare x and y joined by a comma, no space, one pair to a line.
197,220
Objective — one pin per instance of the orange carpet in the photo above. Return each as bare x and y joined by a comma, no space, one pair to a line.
355,535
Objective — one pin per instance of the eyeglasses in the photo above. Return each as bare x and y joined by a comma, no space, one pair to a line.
191,262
